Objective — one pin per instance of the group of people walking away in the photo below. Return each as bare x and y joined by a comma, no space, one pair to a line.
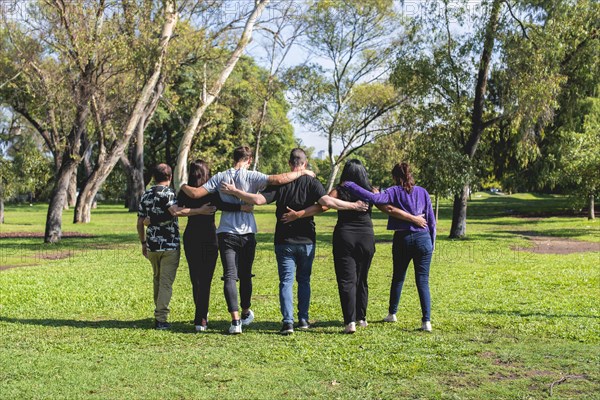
299,196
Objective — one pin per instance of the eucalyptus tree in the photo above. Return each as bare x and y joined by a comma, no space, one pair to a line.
212,86
344,94
277,38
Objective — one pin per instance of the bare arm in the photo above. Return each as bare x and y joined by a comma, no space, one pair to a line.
250,198
141,229
397,213
311,211
331,202
288,177
194,192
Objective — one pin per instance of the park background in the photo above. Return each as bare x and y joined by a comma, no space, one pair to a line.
494,104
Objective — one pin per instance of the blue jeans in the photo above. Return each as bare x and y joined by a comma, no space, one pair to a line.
294,259
415,246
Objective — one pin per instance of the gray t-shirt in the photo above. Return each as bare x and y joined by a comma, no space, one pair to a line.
237,222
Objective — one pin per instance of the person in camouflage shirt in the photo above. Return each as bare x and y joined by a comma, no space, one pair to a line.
160,241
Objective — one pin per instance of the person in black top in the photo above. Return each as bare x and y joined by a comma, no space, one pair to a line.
353,245
200,238
294,242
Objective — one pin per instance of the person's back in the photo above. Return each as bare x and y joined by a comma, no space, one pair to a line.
160,241
299,194
352,219
237,222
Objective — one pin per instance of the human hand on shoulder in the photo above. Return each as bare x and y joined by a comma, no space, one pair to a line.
309,173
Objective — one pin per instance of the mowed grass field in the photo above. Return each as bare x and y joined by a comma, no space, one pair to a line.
76,318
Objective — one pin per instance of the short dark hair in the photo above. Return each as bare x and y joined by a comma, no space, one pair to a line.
242,153
297,157
162,172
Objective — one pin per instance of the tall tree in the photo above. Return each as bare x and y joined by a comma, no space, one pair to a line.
67,51
144,106
504,75
345,96
209,96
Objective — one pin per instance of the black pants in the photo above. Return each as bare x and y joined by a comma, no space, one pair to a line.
237,256
201,259
352,255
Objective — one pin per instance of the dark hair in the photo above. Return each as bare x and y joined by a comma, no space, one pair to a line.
403,177
242,153
297,157
199,173
356,172
162,172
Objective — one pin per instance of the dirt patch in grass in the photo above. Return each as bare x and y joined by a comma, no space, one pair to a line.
35,235
555,245
5,267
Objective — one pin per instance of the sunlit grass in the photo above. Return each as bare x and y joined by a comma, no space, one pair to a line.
75,322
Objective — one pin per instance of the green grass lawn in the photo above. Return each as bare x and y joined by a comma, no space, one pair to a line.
75,318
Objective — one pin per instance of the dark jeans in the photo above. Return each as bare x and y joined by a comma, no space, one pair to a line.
237,256
201,259
415,246
352,256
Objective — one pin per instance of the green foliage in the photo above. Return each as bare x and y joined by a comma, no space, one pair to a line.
228,123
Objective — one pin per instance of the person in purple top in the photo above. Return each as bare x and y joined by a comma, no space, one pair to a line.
411,242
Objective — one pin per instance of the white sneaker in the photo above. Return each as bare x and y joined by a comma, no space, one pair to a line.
235,329
363,323
426,326
249,318
350,328
390,318
200,328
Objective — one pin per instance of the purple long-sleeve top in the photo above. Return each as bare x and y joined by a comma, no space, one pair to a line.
417,202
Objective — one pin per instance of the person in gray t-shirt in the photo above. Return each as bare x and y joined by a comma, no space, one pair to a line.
236,231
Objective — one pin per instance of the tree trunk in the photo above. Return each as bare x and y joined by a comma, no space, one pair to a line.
459,214
437,206
591,213
335,168
144,108
1,210
58,199
180,173
459,211
72,191
259,128
137,169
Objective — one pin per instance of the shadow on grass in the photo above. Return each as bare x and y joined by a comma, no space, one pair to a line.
525,314
73,323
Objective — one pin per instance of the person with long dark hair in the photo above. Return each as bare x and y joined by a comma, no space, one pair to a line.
411,242
295,242
200,238
353,246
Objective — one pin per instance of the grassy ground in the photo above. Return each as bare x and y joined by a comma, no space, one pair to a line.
75,318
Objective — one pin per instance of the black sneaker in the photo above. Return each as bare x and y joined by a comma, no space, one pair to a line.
303,324
287,329
162,326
